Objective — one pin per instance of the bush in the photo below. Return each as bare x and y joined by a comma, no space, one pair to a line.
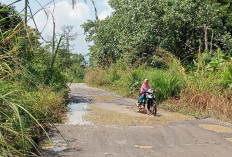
226,78
166,83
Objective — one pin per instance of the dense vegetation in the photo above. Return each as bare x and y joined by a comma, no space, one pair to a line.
32,83
183,47
137,28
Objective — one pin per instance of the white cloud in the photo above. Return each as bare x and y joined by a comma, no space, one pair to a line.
106,3
64,14
104,14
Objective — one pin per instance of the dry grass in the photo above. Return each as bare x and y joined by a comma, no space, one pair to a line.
96,76
202,104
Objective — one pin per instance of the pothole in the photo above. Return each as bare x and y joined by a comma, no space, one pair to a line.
76,113
216,128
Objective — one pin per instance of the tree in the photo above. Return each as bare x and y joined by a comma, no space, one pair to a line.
187,24
138,28
68,36
9,18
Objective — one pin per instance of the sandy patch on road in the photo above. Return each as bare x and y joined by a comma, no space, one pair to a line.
229,139
143,147
216,128
112,114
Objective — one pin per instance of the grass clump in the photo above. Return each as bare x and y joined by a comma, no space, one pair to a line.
24,117
167,84
96,77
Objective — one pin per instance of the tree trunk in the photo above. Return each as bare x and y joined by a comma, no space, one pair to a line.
211,43
26,3
206,36
54,31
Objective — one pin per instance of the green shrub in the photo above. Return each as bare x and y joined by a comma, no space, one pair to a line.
166,83
226,78
113,76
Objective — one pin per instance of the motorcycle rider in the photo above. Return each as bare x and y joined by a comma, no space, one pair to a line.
145,86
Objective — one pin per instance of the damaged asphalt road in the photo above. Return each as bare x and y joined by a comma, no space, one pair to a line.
101,123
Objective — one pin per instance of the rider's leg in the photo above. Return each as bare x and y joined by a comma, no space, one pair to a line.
143,105
138,103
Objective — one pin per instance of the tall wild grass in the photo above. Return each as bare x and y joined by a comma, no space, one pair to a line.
209,90
30,95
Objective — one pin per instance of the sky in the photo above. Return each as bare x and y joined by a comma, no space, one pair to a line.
65,15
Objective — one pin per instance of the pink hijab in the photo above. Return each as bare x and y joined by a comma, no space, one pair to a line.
145,86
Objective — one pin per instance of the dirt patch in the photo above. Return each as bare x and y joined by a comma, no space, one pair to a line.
216,128
229,139
110,114
143,147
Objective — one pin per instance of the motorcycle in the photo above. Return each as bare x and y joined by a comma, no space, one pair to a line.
149,99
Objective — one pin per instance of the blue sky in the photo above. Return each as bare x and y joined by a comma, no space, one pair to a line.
65,15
